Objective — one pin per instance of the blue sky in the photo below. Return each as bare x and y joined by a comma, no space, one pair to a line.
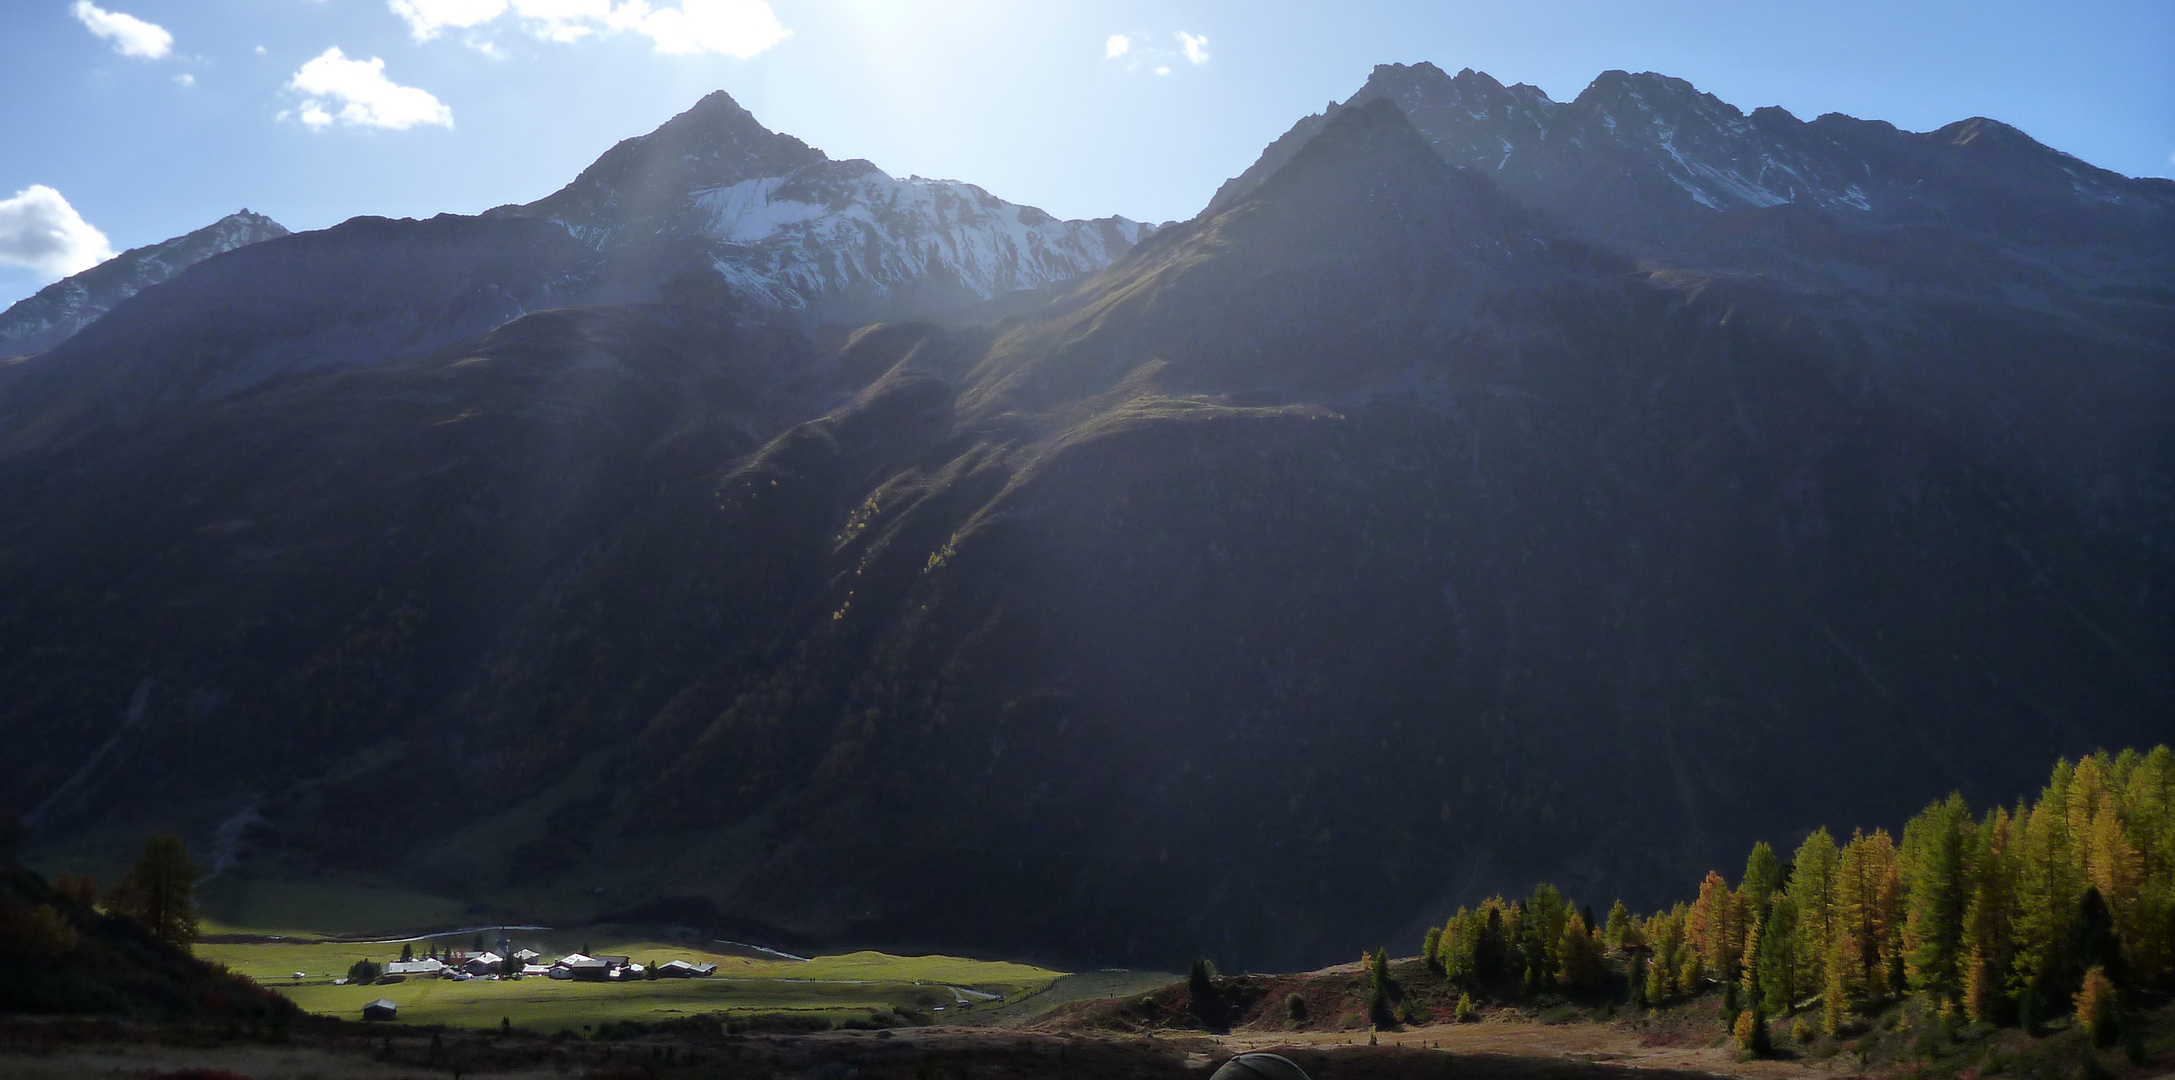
149,118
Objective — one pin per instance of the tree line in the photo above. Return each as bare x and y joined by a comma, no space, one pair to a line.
2011,916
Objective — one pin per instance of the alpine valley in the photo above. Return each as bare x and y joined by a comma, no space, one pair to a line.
1479,488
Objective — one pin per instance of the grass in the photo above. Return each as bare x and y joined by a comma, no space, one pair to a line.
835,987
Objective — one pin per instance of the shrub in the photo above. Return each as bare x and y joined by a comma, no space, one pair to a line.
364,972
1467,1011
1803,1032
1296,1007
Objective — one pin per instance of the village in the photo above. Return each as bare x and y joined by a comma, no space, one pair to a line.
466,966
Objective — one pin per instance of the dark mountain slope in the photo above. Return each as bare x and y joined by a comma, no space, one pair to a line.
300,571
1363,545
364,291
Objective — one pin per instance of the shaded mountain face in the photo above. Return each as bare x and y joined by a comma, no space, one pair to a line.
1372,542
46,319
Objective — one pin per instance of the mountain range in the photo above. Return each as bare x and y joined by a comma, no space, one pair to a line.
56,312
1480,489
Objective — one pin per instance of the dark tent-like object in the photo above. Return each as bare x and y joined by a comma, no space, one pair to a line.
1260,1067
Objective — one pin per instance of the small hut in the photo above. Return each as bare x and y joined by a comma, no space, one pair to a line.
381,1009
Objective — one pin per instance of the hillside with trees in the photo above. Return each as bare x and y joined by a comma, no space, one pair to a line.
2011,916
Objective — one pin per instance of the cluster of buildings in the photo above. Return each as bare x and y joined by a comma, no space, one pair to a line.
527,962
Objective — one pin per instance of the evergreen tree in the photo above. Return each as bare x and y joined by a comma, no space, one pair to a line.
1201,999
1780,981
1812,887
1619,925
1987,929
1546,912
1491,947
1657,989
2092,942
2115,868
2044,903
1381,992
1763,875
1715,928
1580,969
1844,984
1430,947
407,952
1936,867
1866,893
160,891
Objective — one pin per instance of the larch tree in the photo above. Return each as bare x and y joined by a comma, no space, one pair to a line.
1619,926
1989,920
1580,969
160,891
1763,875
1867,890
1935,864
1776,959
1812,886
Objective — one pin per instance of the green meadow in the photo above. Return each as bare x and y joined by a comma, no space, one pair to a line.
836,988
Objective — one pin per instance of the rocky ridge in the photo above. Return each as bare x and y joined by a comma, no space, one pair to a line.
49,317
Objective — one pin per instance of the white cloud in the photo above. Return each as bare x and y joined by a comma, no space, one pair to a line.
1162,69
260,50
1116,46
427,17
1195,46
38,229
185,80
365,96
736,28
130,35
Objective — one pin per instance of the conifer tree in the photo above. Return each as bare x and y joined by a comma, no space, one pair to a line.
1844,985
1812,887
2092,941
1935,864
1715,928
1201,999
1763,875
160,891
2047,892
1866,893
1430,948
1579,959
1987,931
2115,868
1780,981
1619,925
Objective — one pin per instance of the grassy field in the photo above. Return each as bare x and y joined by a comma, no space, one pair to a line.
853,985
